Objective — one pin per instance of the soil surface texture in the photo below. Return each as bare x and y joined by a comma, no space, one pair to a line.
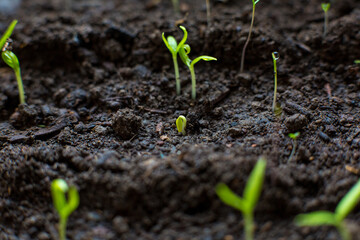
102,105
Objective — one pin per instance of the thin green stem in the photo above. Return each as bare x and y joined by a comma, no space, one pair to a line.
326,22
293,150
247,41
344,232
208,12
20,86
177,75
249,226
275,86
193,82
62,228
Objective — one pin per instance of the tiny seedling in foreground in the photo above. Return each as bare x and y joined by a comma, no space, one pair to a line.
325,7
336,219
181,124
64,207
357,61
11,60
174,48
294,137
275,108
247,203
184,51
254,2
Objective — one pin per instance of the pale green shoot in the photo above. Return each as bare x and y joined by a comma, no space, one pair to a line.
64,207
184,51
325,7
208,13
357,61
336,219
176,6
12,61
247,203
254,2
294,137
181,124
174,48
7,33
276,109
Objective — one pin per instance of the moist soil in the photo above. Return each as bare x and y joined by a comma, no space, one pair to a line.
101,110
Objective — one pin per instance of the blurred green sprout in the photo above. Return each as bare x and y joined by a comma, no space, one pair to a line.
275,107
294,137
325,7
59,189
254,2
247,203
174,48
357,61
336,219
208,12
11,60
181,124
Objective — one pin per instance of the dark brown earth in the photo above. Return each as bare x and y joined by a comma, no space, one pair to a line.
102,108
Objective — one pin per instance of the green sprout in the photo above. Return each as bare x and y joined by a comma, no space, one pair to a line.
181,124
184,51
275,108
294,137
174,48
325,7
10,58
336,219
251,195
357,61
176,6
208,13
64,208
254,2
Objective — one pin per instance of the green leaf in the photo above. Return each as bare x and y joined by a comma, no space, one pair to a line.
357,61
255,2
183,40
348,202
230,198
205,58
168,44
58,190
317,218
184,51
254,184
10,59
181,124
7,33
294,135
73,202
325,6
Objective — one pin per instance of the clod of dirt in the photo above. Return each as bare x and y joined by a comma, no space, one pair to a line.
120,225
126,124
23,116
296,122
75,98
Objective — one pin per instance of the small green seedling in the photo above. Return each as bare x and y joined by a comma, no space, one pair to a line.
181,124
275,107
174,48
254,2
184,51
208,13
336,219
251,195
357,61
294,137
325,7
59,188
176,6
11,59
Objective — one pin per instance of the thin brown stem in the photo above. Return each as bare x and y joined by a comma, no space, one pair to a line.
247,41
208,14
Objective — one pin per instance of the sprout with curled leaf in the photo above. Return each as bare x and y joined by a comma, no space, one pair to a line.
181,124
294,137
247,203
174,48
10,58
64,207
336,219
325,7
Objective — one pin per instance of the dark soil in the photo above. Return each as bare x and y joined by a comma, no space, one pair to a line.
102,107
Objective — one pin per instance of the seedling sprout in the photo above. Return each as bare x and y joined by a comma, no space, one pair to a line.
174,48
208,13
181,124
294,137
59,188
7,33
184,51
247,203
276,109
357,61
336,219
325,7
254,2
